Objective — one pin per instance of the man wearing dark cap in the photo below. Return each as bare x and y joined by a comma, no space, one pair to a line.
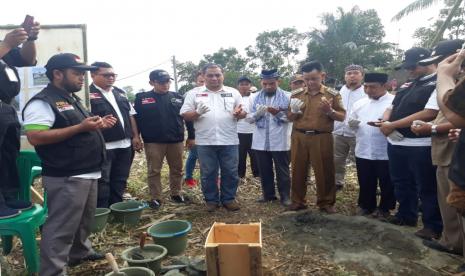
412,172
105,98
72,150
371,147
344,136
245,132
313,112
162,130
271,141
442,150
12,56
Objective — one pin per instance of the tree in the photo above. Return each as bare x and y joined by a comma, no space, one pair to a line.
129,93
350,37
454,10
276,49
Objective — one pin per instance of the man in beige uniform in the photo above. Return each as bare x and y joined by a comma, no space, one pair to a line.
313,112
442,149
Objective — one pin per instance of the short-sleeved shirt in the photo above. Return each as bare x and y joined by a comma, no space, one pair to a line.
218,126
313,118
455,99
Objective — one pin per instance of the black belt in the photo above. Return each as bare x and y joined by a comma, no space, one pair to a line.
310,132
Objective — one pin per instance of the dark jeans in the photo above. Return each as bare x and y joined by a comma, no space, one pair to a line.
211,159
414,178
190,163
115,173
370,173
281,165
9,151
245,147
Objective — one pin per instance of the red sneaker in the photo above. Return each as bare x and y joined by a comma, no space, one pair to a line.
190,182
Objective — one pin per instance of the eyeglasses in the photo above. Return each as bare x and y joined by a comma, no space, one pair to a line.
107,76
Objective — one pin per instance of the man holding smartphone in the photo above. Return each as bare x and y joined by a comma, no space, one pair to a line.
12,56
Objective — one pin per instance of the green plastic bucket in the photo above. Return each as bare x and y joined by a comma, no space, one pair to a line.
171,234
100,220
134,271
127,212
152,255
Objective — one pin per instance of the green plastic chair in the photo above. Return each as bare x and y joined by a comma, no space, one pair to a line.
26,224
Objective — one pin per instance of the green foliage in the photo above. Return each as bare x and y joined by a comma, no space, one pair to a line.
413,7
350,37
276,49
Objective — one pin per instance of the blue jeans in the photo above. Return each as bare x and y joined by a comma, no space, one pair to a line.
211,159
414,178
190,163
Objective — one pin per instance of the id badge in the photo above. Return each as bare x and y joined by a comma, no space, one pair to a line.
11,74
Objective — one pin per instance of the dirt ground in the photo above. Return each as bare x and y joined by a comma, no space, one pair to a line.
294,243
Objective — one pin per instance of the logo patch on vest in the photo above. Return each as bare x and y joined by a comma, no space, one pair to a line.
174,100
148,100
64,106
226,95
94,96
202,95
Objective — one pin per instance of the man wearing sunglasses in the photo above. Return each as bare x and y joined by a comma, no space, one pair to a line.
106,99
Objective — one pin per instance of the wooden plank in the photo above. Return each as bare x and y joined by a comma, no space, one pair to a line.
255,253
233,259
235,233
211,254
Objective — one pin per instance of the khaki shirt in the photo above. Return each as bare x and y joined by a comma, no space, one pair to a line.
442,148
312,117
455,99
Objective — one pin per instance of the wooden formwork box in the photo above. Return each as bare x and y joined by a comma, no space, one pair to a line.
234,249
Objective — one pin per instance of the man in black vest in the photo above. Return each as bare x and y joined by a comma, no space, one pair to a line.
11,56
412,172
162,129
106,99
68,141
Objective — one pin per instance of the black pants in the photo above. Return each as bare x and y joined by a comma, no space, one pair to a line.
370,173
115,173
9,150
281,165
245,145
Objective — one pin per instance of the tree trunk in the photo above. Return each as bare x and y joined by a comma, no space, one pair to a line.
446,23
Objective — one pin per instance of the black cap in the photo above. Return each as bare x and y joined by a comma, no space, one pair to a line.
243,78
442,50
159,76
412,56
376,77
65,61
269,74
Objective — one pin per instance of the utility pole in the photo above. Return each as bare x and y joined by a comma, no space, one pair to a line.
175,74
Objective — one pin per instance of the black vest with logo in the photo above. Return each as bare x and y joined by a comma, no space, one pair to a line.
80,154
410,100
100,106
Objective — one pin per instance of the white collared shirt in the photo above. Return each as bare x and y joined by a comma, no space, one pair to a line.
274,136
243,126
124,143
218,126
370,141
349,97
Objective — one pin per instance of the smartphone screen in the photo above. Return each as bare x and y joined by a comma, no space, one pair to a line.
28,23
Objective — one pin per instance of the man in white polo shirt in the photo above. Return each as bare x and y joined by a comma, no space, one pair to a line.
215,109
344,136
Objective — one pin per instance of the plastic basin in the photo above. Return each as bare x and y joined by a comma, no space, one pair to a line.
152,255
171,234
100,220
127,212
134,271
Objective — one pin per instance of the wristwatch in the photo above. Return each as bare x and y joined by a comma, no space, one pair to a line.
331,112
434,131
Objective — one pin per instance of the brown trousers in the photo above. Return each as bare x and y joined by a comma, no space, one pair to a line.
155,154
452,230
317,151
